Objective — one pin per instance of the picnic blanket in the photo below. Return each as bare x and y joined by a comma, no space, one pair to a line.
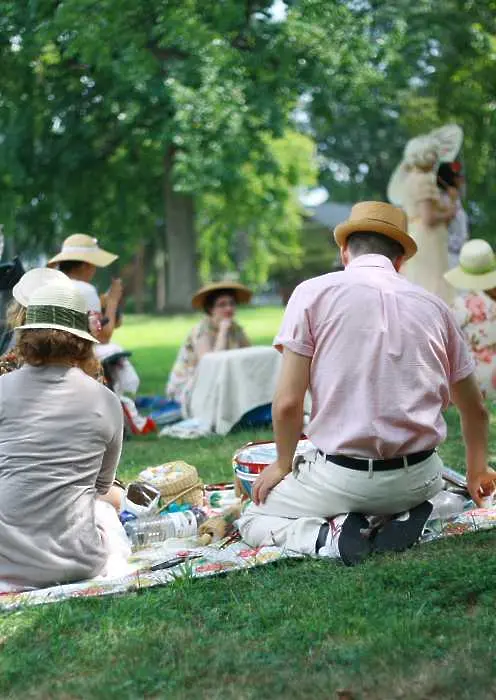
211,561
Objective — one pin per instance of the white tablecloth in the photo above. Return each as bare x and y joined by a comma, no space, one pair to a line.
231,382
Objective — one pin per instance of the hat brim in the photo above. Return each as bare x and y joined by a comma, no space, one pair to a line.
98,258
344,230
458,278
241,293
55,326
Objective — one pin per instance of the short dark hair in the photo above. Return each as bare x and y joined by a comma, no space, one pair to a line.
211,298
67,266
369,242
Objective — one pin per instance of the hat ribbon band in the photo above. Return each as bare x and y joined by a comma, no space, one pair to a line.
479,270
76,320
80,249
379,221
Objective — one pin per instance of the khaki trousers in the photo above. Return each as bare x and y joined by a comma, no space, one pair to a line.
316,490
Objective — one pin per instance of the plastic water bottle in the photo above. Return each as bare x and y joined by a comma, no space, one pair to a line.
150,530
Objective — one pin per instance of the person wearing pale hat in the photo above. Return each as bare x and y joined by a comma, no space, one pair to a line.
79,259
217,331
382,359
16,311
60,443
414,187
475,308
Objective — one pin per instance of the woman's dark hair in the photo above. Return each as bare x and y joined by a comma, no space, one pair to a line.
211,298
67,266
39,347
446,176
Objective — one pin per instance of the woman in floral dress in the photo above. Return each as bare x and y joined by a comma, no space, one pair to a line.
475,308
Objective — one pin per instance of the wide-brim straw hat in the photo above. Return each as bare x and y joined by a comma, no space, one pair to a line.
439,146
377,217
58,306
83,248
33,280
241,293
476,270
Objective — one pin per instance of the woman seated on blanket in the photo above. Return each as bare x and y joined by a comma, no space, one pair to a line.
60,443
217,331
475,308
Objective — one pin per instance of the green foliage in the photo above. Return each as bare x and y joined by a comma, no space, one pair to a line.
253,226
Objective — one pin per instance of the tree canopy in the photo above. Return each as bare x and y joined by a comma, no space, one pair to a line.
173,125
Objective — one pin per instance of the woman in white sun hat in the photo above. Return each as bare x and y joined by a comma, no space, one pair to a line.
16,311
413,186
60,443
475,308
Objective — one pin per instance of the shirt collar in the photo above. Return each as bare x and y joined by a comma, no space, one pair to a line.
372,260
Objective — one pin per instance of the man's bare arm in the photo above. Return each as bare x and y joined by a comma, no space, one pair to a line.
467,398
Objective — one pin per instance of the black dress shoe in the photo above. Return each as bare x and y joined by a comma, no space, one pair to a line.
398,535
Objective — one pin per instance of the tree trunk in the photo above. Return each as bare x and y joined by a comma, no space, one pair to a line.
180,237
139,280
161,291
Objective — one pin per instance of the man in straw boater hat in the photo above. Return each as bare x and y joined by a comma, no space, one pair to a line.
382,358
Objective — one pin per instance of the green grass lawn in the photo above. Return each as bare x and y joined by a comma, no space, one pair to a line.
417,626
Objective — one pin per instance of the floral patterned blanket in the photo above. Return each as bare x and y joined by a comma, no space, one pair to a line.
186,559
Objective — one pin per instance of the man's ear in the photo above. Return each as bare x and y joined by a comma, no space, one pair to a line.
399,262
345,254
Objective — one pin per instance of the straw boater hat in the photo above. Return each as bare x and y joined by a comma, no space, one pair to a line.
439,146
377,217
476,269
60,306
83,248
33,280
241,293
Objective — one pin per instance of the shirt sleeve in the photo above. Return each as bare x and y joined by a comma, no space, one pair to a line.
112,453
296,333
460,359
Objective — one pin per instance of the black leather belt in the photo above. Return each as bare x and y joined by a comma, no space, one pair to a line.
378,465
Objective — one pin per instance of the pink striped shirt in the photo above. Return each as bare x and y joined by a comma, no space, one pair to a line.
384,354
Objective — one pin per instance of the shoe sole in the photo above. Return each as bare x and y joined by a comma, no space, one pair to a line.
353,546
397,536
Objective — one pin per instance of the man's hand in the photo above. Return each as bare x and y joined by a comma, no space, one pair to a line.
266,481
481,485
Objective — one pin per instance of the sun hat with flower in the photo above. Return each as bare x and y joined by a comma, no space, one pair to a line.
426,151
83,248
476,269
58,306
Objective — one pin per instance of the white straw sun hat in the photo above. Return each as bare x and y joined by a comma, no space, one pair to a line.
427,151
33,280
83,248
476,269
59,306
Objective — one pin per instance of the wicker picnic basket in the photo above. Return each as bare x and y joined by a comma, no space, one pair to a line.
178,482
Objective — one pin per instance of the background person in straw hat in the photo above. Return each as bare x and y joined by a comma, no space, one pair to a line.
79,259
413,186
217,331
382,358
475,308
60,442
